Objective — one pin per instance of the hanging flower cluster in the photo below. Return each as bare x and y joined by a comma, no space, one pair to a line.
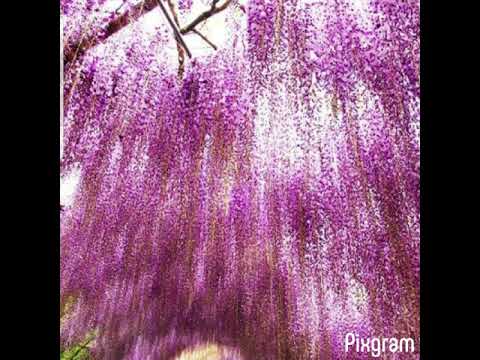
266,201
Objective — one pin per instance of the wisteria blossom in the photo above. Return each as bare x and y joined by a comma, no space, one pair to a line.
244,190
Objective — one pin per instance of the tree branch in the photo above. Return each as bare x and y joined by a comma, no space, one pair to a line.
180,50
84,43
204,38
79,47
177,34
205,15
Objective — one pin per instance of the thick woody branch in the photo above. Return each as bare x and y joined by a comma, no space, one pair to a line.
205,15
180,49
97,36
91,39
177,34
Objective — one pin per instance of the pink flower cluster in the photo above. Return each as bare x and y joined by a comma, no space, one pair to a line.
268,201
